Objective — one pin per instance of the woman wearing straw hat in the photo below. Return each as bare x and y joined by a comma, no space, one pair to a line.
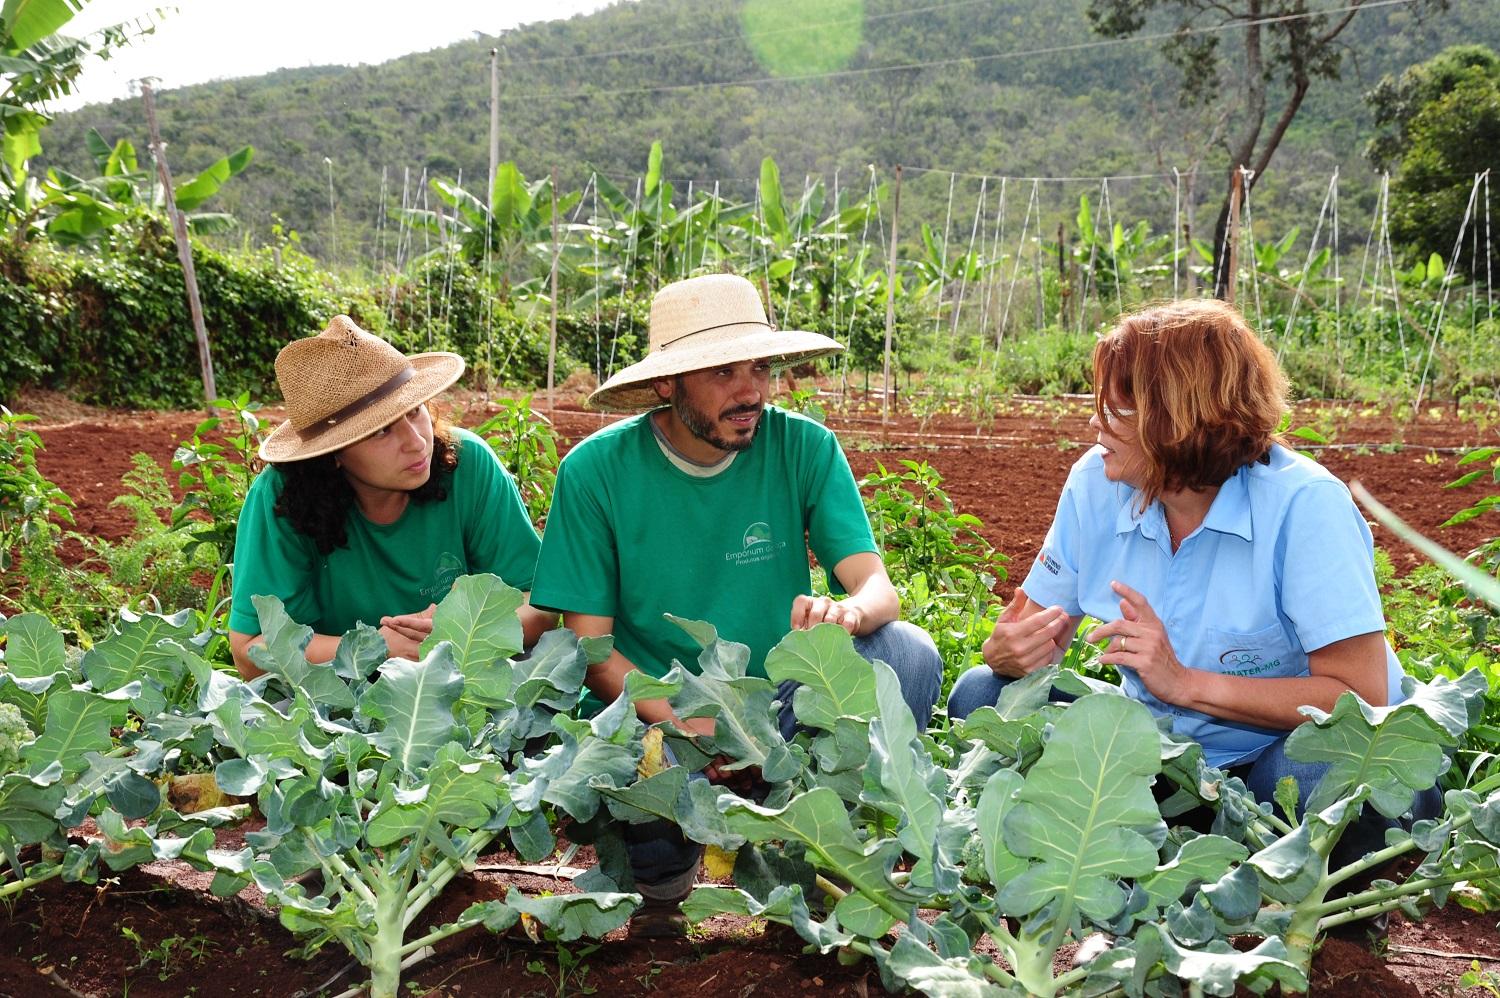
705,505
370,508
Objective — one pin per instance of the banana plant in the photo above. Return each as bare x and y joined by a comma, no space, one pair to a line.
1268,258
78,210
647,240
38,65
514,239
939,268
1120,260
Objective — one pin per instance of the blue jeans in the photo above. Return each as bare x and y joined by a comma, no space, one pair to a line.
980,687
665,864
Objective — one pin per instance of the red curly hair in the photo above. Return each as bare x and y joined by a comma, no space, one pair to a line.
1207,394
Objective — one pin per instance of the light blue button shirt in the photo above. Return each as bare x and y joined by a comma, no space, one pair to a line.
1283,564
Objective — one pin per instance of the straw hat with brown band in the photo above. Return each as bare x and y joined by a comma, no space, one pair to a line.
705,322
344,384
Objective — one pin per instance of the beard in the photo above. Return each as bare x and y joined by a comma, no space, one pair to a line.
702,426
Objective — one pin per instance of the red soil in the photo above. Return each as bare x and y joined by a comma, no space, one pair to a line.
1007,472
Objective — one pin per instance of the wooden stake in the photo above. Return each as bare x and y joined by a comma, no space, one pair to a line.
765,297
489,197
1062,277
184,253
1236,192
890,306
552,341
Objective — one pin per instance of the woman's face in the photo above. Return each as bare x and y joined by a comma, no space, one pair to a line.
1119,435
396,458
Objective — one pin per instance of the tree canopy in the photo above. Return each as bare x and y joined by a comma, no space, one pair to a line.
1441,127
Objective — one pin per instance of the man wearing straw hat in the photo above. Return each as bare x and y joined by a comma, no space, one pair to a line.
704,505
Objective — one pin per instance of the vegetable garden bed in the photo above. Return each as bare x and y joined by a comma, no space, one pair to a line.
157,925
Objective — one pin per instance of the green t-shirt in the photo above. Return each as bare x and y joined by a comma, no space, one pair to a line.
632,537
389,568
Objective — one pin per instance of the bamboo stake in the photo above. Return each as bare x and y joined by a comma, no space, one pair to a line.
184,253
552,341
489,198
890,305
1236,192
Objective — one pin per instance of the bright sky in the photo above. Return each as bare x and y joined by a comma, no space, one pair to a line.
204,40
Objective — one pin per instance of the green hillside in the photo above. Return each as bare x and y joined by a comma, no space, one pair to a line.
1016,87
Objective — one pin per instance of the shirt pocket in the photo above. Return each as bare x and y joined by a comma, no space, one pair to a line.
1267,652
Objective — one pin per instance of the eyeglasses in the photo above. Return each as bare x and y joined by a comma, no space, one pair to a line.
1118,415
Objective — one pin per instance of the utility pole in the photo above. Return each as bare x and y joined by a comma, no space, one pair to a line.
184,252
494,128
890,305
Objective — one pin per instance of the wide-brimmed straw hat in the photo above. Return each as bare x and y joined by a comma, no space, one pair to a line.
344,384
704,322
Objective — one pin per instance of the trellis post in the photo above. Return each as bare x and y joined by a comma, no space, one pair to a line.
552,339
184,252
1236,192
890,305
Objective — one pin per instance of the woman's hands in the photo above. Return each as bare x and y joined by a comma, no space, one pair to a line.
405,633
1027,637
1139,642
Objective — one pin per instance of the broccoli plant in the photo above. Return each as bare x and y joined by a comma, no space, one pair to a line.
1035,825
382,779
62,758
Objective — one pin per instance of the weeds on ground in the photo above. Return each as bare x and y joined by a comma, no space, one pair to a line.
572,973
29,502
215,477
942,567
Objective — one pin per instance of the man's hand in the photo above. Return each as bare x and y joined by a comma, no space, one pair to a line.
1140,642
810,611
405,632
739,780
1019,645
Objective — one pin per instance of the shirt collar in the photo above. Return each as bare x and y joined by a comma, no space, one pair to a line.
1230,511
1228,514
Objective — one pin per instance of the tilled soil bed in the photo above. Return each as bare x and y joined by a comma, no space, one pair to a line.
156,932
1007,472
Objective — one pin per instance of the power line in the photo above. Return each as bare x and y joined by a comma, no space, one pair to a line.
742,36
958,60
321,113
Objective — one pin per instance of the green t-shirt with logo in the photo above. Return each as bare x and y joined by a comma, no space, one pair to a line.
632,537
385,569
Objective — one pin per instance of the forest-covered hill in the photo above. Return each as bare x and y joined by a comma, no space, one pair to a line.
1019,88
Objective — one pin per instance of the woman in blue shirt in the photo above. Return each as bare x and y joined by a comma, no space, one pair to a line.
1236,577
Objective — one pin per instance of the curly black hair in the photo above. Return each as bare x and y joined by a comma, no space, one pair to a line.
316,495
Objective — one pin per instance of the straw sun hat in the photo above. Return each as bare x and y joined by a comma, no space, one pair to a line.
344,384
705,322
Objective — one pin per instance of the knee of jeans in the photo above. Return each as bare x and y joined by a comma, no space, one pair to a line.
978,687
922,648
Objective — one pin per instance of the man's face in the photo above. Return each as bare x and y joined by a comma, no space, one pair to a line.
721,406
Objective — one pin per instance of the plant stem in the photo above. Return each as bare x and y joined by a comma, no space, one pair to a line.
439,934
18,886
429,886
337,864
830,888
1366,898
